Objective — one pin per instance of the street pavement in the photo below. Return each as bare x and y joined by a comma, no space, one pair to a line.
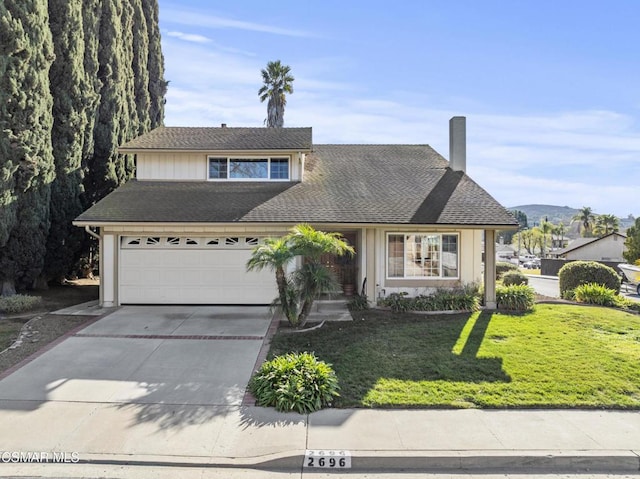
160,393
549,286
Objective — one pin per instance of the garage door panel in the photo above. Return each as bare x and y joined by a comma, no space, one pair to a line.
196,276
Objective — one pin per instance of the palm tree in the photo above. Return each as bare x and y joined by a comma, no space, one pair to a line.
276,254
586,218
306,284
606,224
277,82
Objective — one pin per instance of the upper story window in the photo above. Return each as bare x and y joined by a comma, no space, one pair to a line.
249,169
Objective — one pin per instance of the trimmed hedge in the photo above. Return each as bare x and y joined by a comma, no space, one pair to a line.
503,267
577,273
514,277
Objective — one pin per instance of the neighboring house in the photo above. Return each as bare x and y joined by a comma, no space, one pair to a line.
506,253
606,248
183,230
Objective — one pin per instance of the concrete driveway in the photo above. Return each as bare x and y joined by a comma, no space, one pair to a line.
149,354
142,380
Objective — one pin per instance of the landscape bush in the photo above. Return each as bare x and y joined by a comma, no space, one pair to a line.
295,382
518,297
444,299
576,273
18,303
514,277
593,293
359,302
503,267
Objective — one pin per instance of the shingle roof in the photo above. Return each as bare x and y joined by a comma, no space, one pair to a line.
390,184
185,138
582,242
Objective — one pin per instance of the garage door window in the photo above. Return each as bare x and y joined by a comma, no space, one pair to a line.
225,242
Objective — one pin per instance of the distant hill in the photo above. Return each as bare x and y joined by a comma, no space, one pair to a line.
556,214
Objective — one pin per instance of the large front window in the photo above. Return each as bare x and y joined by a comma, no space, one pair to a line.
248,168
422,255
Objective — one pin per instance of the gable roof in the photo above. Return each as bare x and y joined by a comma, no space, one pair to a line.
378,184
582,242
199,138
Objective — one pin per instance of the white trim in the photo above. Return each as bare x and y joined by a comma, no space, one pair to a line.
404,255
230,158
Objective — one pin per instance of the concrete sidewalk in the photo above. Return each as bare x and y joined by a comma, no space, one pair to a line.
451,441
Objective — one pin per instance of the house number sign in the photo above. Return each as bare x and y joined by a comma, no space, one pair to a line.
328,459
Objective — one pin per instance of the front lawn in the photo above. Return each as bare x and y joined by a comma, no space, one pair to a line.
555,356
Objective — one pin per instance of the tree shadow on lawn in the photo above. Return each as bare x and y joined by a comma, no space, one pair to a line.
404,347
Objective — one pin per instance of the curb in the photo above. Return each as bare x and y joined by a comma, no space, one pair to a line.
617,461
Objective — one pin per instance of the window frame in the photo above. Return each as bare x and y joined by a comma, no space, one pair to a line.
404,276
230,159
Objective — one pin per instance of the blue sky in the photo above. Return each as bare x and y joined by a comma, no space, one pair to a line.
550,89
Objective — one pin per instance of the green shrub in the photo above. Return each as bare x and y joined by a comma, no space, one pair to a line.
444,299
359,302
18,303
592,293
573,274
503,267
519,297
295,382
398,302
625,303
514,277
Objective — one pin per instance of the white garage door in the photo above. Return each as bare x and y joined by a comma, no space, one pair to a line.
181,270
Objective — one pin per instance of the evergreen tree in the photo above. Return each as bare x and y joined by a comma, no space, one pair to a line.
102,175
155,64
140,67
73,99
26,54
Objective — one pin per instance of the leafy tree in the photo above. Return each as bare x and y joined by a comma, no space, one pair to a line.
546,229
558,231
529,239
277,81
606,224
585,218
298,291
632,254
26,160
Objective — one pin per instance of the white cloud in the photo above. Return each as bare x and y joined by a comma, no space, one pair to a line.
181,16
189,37
573,158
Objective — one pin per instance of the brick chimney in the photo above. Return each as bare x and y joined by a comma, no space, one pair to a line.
458,143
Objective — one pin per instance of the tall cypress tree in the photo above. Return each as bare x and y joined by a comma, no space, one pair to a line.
140,67
26,54
73,98
157,83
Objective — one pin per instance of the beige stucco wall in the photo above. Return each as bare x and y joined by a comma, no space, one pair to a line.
370,246
193,166
605,249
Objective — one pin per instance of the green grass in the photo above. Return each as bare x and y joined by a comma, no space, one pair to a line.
556,356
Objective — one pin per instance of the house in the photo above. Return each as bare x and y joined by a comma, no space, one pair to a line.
607,248
182,231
